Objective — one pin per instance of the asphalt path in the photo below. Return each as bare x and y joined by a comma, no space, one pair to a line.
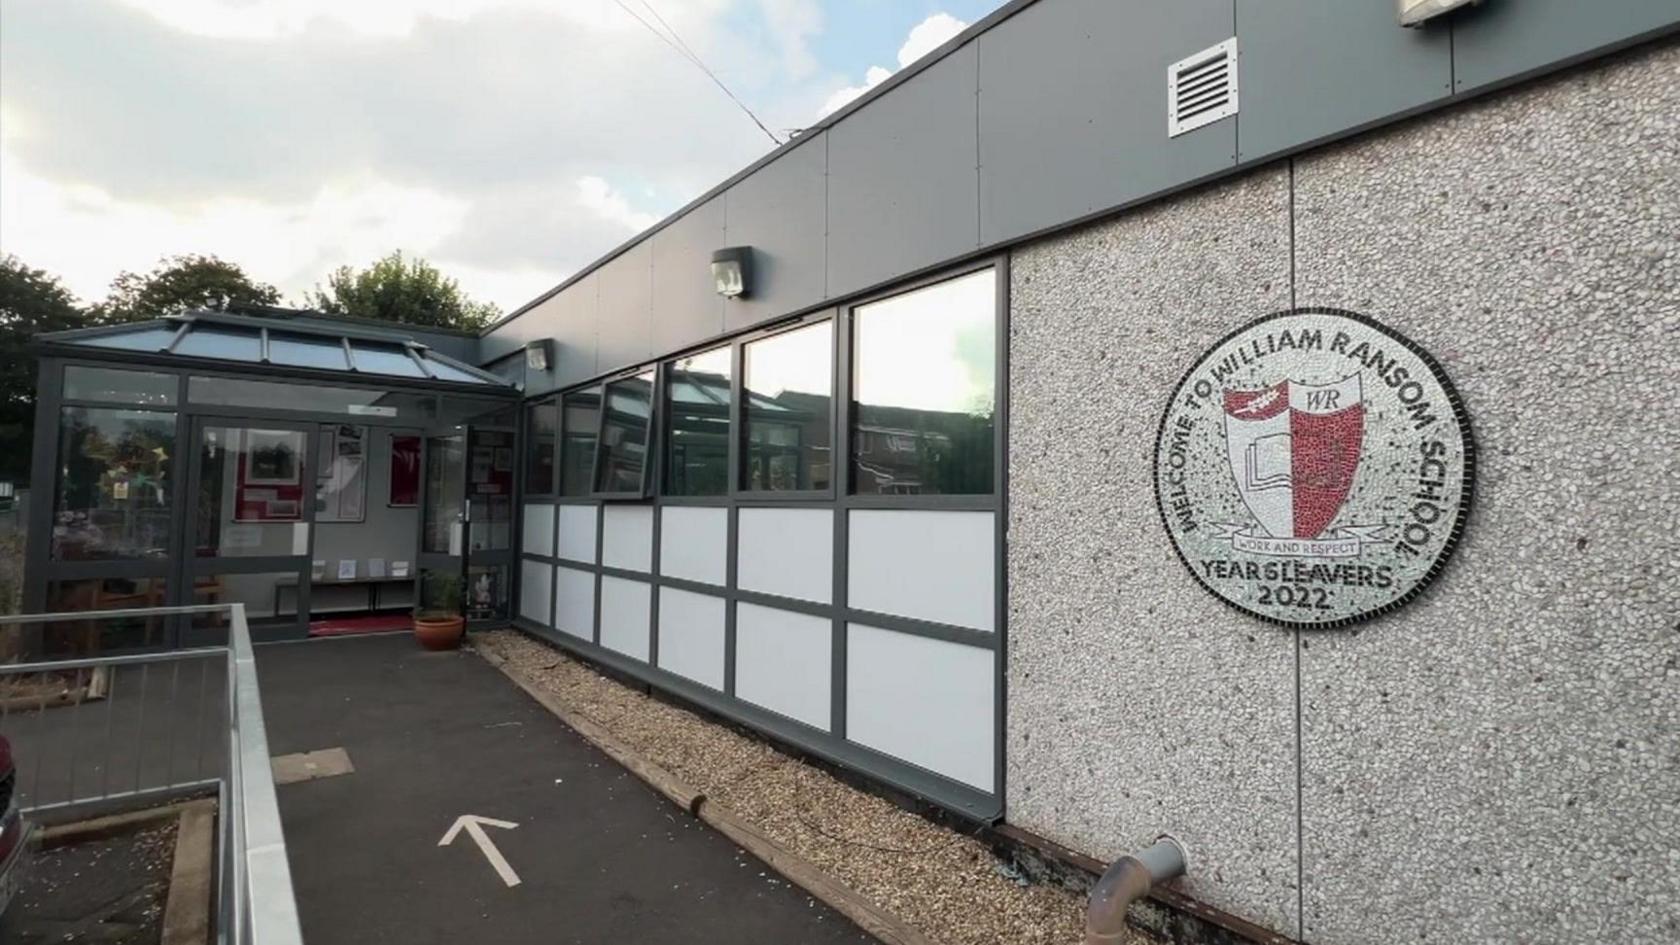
598,856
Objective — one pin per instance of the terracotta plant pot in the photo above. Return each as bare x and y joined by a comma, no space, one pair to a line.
439,633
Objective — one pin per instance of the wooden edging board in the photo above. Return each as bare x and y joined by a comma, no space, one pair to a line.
890,929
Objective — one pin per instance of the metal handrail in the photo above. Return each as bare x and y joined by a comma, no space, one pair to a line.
257,904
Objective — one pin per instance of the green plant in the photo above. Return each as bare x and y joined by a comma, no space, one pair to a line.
440,596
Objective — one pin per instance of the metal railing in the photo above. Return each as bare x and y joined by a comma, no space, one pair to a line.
154,740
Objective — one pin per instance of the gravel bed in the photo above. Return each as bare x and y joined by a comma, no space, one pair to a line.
947,885
109,891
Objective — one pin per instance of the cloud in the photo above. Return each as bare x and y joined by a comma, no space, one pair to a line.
927,36
595,195
923,38
843,96
515,140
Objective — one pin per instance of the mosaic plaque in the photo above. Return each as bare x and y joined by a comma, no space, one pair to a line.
1314,468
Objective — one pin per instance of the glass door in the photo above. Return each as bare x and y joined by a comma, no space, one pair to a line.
466,522
490,489
250,525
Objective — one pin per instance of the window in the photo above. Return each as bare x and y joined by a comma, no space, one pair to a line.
250,500
133,388
925,390
789,394
621,456
79,639
580,417
542,423
115,471
697,442
342,453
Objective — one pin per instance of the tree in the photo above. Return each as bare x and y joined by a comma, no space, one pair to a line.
395,289
31,302
180,284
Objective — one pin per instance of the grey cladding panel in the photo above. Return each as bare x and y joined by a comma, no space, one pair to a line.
568,319
686,308
1073,109
574,335
624,325
780,212
1312,68
901,178
1506,38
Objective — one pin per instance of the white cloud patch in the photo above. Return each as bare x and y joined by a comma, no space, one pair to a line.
293,136
923,38
598,197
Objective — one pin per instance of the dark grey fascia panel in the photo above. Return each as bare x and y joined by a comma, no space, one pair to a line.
686,307
1073,110
568,319
1310,69
902,187
575,333
782,213
1507,39
624,319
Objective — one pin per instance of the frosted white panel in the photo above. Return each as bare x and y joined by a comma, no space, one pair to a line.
574,602
535,590
926,701
928,565
625,610
782,662
577,533
691,635
694,544
789,552
627,537
539,529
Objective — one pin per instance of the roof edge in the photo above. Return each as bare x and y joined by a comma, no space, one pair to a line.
905,74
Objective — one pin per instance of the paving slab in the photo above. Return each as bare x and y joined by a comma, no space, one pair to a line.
598,856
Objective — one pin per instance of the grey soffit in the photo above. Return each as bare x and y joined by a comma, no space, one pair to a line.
231,339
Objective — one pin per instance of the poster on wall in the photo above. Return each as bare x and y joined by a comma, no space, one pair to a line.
1314,468
405,472
268,476
340,486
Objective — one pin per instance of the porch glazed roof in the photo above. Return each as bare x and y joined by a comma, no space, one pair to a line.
207,338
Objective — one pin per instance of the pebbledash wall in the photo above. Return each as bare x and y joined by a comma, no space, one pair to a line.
1498,761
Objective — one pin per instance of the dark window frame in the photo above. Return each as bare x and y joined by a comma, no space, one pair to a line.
566,400
552,487
651,458
1000,295
668,377
837,351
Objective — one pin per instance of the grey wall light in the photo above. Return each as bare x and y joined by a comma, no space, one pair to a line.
537,354
732,271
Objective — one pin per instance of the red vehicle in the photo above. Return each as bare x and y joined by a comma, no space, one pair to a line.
14,830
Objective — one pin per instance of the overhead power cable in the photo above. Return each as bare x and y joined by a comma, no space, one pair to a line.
675,41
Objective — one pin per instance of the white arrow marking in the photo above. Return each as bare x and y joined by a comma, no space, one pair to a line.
474,825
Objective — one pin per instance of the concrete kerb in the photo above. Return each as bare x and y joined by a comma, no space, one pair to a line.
890,929
186,913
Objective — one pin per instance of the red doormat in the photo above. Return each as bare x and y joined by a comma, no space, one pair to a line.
346,626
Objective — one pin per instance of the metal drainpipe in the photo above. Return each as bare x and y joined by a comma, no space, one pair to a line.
1126,880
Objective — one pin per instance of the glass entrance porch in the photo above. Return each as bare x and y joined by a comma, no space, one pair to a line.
216,459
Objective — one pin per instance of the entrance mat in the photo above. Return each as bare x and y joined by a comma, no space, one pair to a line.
347,626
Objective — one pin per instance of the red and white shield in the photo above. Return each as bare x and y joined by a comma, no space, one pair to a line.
1294,449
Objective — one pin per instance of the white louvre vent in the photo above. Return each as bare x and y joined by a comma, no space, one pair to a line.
1202,89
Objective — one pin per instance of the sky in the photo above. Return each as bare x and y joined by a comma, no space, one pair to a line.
510,142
